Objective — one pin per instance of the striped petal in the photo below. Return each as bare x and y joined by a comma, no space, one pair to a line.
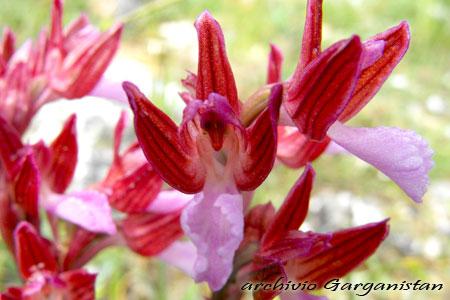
134,193
275,64
402,155
345,251
396,42
33,252
214,73
292,212
317,96
179,165
63,157
150,233
257,155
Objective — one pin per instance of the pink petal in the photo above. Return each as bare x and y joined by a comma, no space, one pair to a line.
88,209
109,89
255,160
180,255
402,155
214,73
372,51
158,136
56,32
169,201
317,96
214,223
275,64
396,42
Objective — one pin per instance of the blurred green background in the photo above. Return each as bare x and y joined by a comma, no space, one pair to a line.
160,35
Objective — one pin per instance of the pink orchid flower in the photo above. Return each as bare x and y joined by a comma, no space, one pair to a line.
330,87
61,63
44,277
212,154
273,248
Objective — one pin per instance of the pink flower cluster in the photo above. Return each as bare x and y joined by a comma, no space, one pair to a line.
221,152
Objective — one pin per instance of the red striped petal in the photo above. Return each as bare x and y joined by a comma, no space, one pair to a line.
275,64
312,34
32,251
84,67
347,249
295,150
134,193
64,156
56,31
11,144
256,160
158,136
8,44
148,234
317,96
214,73
79,285
26,189
396,41
292,212
256,221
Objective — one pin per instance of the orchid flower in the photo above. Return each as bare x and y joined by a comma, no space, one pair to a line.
212,154
44,277
330,87
274,248
61,63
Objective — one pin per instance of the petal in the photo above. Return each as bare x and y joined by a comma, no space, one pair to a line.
396,42
8,44
255,160
11,144
214,223
88,209
275,64
295,150
79,285
149,233
292,212
214,73
317,96
26,189
312,34
158,136
180,255
256,221
169,201
133,193
84,66
64,156
79,242
109,89
347,249
33,252
402,155
12,293
372,51
56,32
